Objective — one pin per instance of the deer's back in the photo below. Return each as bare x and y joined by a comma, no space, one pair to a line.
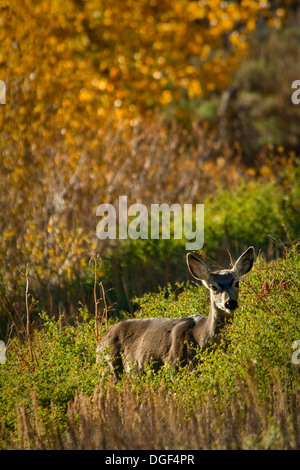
152,339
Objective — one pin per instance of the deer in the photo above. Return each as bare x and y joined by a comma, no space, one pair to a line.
160,340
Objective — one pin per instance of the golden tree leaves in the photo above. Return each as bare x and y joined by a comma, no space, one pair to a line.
122,56
74,71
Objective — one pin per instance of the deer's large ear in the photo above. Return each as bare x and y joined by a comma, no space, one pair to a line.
245,262
197,268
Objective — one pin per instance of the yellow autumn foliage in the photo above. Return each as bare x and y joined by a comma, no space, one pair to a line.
84,79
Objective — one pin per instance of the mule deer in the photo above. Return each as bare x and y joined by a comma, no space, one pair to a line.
162,340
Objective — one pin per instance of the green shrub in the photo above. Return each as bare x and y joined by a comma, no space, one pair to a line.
257,349
63,362
250,213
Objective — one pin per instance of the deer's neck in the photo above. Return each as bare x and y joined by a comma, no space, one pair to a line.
216,321
209,331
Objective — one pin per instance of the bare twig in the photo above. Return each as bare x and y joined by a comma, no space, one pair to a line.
28,309
104,314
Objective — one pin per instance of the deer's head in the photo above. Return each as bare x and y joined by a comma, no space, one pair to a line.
224,284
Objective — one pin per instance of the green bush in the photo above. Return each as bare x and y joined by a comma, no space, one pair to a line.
251,213
58,362
41,378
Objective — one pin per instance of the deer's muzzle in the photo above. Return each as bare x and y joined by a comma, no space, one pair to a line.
231,304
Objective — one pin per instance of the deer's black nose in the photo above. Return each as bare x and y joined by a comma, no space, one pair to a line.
231,304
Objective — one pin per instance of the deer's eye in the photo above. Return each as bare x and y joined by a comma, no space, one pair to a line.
237,284
214,288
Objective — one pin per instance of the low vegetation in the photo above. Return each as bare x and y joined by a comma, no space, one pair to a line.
165,102
244,394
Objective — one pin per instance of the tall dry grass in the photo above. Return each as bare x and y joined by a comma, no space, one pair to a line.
128,418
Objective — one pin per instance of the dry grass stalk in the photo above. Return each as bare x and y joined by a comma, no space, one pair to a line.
127,419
